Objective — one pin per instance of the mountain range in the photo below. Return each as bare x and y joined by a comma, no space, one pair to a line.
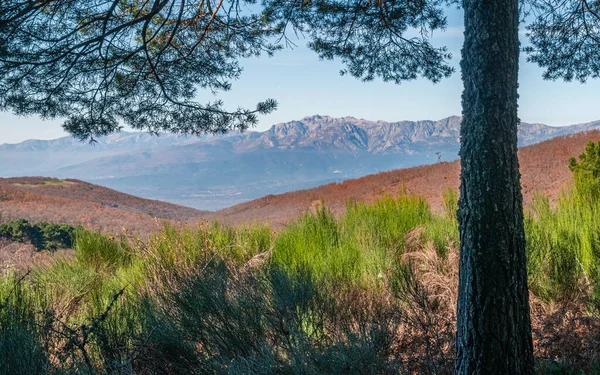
213,172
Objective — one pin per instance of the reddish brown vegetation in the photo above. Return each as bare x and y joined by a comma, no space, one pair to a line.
565,332
84,191
544,168
16,255
80,203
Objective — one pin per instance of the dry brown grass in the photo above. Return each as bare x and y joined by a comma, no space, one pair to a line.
21,256
565,333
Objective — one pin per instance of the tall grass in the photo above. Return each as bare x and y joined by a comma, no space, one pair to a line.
358,247
563,244
21,350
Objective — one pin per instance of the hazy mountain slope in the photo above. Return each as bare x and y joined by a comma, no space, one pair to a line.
216,172
44,156
544,168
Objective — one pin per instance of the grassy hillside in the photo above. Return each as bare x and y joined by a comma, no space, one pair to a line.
74,202
370,291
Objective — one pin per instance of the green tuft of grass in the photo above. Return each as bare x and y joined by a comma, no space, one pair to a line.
359,247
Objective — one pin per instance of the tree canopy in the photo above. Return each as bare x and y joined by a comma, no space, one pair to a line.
586,172
102,64
42,235
565,38
589,161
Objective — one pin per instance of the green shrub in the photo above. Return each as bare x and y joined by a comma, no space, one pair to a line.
443,233
44,236
563,245
98,250
358,247
16,230
55,236
316,242
270,322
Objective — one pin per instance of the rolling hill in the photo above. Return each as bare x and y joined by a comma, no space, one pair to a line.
543,167
77,202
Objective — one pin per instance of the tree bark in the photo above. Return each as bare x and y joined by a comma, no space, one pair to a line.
493,325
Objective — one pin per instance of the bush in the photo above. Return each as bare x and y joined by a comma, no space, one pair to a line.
563,246
358,247
450,198
16,230
55,236
270,322
44,236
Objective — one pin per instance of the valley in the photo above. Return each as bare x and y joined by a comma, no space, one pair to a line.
544,169
216,172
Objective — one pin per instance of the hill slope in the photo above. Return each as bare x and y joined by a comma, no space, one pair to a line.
80,203
544,168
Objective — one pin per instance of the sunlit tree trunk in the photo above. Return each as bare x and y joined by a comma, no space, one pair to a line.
493,327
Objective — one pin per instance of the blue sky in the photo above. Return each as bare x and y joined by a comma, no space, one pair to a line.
305,86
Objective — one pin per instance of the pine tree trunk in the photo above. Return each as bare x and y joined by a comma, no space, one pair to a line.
493,327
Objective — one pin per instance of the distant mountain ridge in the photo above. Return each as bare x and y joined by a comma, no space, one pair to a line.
345,133
212,172
351,134
112,141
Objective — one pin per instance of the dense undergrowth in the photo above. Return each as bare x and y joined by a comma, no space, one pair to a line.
370,292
